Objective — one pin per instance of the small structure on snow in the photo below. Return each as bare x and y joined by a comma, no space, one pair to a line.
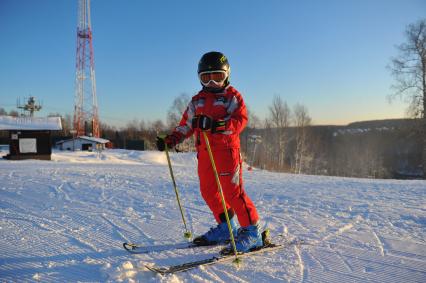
83,143
30,137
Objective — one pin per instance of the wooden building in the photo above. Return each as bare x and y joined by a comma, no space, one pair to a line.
30,137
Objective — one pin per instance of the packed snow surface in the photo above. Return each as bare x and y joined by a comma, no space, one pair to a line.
65,221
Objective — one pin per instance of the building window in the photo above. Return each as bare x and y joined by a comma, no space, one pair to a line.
27,145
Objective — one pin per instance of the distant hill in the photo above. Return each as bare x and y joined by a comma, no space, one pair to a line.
389,123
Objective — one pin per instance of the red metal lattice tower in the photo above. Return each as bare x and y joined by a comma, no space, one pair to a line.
86,119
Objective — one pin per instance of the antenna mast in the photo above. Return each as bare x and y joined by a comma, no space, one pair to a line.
86,104
30,107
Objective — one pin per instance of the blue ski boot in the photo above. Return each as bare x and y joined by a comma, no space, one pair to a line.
249,238
216,235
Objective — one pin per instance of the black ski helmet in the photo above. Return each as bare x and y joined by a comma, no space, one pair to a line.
214,61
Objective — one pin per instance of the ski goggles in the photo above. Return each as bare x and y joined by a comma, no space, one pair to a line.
216,76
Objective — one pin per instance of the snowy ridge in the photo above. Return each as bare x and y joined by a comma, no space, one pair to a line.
65,220
361,131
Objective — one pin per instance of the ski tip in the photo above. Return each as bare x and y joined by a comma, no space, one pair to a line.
129,246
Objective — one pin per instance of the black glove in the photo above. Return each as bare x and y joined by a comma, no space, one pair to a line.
171,141
205,123
202,122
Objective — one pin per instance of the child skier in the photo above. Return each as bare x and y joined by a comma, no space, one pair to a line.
219,110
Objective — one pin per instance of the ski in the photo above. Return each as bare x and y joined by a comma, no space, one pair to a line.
141,249
221,258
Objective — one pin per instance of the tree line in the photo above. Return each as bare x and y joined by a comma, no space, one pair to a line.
287,141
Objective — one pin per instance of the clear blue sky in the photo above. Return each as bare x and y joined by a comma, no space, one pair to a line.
329,55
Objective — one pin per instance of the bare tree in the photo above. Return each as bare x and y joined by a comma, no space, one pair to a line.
176,110
279,119
142,127
409,71
68,124
301,121
252,124
174,116
131,129
253,120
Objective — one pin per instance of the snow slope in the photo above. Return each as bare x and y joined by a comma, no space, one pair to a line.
65,221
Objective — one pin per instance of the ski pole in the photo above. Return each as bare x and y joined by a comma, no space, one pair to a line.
187,233
219,186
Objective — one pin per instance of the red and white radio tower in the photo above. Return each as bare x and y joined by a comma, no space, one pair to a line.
86,119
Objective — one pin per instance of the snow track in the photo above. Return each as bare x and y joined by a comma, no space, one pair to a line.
65,221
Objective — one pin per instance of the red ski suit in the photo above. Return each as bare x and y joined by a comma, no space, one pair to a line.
229,106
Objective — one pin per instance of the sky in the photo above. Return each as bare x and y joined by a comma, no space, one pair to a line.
328,55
